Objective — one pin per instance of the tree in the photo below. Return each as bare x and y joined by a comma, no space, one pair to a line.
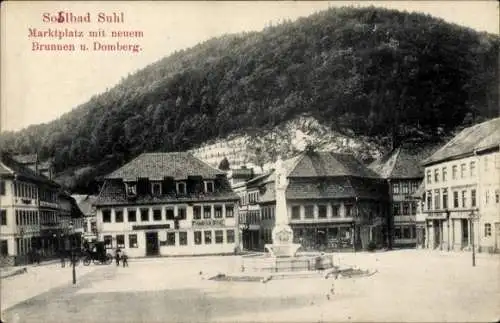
224,164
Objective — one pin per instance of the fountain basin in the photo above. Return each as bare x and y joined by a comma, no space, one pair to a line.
271,264
282,250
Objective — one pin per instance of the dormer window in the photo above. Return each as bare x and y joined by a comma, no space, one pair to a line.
156,189
209,186
131,189
181,188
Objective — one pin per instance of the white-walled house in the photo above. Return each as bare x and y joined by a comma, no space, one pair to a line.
163,204
462,191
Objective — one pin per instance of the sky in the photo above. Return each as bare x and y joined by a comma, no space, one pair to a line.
40,86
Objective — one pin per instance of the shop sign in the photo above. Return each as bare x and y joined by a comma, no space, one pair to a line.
151,227
208,222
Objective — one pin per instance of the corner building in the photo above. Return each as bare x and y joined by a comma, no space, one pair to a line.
163,204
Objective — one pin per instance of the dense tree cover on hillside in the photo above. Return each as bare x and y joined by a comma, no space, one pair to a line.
366,70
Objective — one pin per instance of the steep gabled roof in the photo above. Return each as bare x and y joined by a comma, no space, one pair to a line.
156,166
9,166
85,203
478,137
328,164
403,162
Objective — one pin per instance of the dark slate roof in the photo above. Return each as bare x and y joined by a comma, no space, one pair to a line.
481,136
10,167
403,162
113,193
337,188
156,166
328,164
85,203
262,179
242,173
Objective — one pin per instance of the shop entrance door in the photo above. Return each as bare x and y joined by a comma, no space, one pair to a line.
152,247
465,232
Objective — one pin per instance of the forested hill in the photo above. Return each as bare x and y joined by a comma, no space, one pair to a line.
367,71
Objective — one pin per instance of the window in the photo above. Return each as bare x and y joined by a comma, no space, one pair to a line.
397,233
197,212
208,237
170,214
436,175
322,211
335,211
464,199
229,211
108,241
405,188
414,186
462,170
414,206
437,204
444,171
157,214
396,209
395,188
218,211
106,216
131,189
132,241
406,233
309,211
120,241
445,198
219,236
487,197
132,215
197,237
429,177
183,238
455,199
454,171
118,216
181,213
348,211
487,229
4,247
406,208
473,198
207,212
429,200
156,189
472,169
209,186
170,238
181,188
144,215
295,212
3,217
230,236
2,188
497,196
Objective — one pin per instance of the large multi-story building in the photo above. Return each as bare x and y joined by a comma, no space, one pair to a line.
168,204
462,190
34,213
402,170
333,202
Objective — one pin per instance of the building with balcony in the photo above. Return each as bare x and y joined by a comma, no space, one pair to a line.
402,170
462,191
34,213
167,204
333,203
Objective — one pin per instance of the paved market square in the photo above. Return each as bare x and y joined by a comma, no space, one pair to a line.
410,285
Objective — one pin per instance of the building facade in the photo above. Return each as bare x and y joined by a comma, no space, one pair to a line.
168,204
32,161
333,202
462,191
34,214
402,170
86,204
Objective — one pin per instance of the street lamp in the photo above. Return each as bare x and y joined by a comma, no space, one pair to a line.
472,217
21,233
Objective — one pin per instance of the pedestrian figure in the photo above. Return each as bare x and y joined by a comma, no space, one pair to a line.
63,261
117,256
124,259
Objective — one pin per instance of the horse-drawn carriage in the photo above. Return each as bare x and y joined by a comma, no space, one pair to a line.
97,253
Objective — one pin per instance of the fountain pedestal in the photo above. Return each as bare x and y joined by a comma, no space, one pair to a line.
283,245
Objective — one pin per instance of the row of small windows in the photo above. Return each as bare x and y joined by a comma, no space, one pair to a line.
170,213
404,208
207,236
156,188
322,211
460,198
441,174
250,198
404,232
405,187
26,217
